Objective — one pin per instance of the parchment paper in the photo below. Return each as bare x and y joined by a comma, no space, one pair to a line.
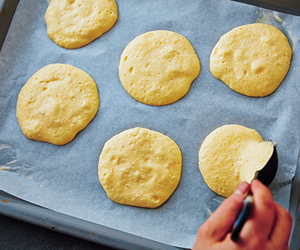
64,178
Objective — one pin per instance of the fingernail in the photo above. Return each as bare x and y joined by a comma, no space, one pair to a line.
242,189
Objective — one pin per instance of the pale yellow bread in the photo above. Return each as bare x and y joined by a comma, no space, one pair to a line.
75,23
252,59
140,167
158,67
56,103
230,155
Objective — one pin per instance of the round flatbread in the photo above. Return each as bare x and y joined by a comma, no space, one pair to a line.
158,67
230,155
56,103
252,59
140,167
75,23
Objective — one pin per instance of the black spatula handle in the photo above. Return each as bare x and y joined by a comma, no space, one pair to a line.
244,215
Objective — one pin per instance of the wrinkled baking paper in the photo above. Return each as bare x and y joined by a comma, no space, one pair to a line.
65,179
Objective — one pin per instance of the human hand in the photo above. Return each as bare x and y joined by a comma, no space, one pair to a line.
268,227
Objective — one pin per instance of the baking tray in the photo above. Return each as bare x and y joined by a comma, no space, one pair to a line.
286,6
7,10
19,209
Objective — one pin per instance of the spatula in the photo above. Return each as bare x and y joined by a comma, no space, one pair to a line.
266,176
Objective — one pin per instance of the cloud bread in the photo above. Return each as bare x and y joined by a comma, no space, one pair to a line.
158,67
252,59
75,23
140,167
56,103
230,155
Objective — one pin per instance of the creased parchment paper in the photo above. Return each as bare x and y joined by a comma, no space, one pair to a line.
64,178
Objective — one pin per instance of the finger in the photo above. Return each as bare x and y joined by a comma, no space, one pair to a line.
261,220
282,228
221,221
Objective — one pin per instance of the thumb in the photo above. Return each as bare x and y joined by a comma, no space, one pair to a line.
221,221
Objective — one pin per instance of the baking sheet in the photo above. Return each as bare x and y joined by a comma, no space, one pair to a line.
49,219
286,6
64,178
